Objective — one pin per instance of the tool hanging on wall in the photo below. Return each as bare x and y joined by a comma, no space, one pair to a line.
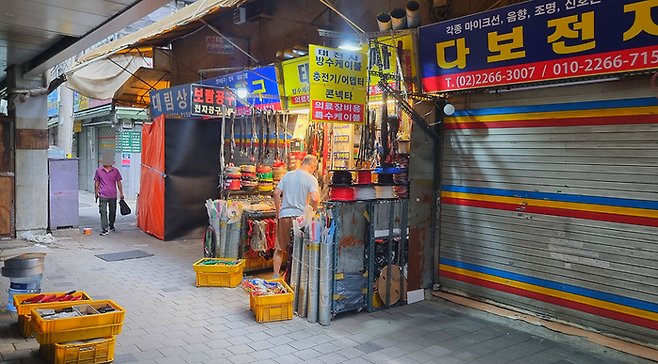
232,150
252,152
221,148
285,137
270,116
261,131
277,155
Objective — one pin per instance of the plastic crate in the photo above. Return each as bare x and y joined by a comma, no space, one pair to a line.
87,321
24,309
25,325
78,334
276,307
218,268
218,275
92,352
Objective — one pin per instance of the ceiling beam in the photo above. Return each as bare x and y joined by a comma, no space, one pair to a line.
69,47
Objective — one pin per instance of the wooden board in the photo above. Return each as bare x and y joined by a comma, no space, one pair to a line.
393,281
31,139
6,198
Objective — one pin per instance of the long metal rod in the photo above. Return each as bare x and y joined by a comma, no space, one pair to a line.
230,41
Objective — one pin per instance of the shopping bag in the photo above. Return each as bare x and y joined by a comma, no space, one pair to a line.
125,209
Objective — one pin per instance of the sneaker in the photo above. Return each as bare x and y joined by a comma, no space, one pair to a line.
112,228
105,232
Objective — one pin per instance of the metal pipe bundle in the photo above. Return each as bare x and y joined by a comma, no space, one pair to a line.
221,242
313,277
232,240
302,304
326,276
296,261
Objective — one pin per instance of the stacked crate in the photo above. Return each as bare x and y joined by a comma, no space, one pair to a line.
86,339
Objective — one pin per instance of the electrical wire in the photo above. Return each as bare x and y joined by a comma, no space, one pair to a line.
384,192
343,178
342,194
365,193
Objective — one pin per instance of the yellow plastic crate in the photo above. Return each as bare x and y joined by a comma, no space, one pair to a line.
277,307
218,279
92,352
78,334
218,275
87,321
25,325
24,309
218,268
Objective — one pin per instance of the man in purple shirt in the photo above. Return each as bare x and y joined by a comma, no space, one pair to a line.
107,179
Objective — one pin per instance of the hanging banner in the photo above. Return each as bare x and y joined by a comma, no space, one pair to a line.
296,82
210,100
396,56
53,103
262,87
337,83
538,41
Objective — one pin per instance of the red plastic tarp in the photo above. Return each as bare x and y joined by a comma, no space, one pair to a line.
151,209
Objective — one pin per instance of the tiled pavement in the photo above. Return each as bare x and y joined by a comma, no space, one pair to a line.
169,320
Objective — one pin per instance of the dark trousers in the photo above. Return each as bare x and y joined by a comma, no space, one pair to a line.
103,204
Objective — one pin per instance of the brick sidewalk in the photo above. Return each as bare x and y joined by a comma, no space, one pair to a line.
169,320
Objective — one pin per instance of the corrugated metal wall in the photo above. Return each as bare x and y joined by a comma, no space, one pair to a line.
550,204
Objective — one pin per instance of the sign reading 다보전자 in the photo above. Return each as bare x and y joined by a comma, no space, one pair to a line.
338,90
540,40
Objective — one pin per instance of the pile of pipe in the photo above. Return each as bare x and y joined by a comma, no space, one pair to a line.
224,217
311,274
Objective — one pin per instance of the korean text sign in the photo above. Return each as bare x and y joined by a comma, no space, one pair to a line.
210,100
296,82
261,81
540,40
262,87
396,56
338,85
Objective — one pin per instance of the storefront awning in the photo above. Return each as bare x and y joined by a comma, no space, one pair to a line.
101,72
179,23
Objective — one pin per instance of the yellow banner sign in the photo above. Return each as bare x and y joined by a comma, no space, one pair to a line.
396,56
295,82
337,83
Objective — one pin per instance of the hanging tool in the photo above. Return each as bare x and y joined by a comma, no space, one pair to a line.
221,148
285,137
277,154
252,157
268,121
232,150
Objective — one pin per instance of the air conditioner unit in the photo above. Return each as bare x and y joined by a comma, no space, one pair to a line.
239,15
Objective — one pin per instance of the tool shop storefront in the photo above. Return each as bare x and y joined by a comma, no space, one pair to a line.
215,153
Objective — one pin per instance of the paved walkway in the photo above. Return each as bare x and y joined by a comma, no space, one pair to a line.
169,320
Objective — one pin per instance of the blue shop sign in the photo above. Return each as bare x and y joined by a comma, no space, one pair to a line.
540,40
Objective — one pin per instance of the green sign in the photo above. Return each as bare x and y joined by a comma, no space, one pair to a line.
129,142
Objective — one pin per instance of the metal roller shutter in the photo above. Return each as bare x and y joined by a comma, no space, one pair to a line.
550,204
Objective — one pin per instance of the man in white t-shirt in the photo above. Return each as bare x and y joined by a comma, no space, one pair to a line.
296,189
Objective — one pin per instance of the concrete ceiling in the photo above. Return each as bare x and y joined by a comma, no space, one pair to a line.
40,34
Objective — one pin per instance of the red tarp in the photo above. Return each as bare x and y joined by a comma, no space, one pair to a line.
151,209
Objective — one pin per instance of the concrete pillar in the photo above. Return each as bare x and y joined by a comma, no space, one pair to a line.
65,127
31,175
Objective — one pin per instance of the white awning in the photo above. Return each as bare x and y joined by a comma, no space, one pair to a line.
99,73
